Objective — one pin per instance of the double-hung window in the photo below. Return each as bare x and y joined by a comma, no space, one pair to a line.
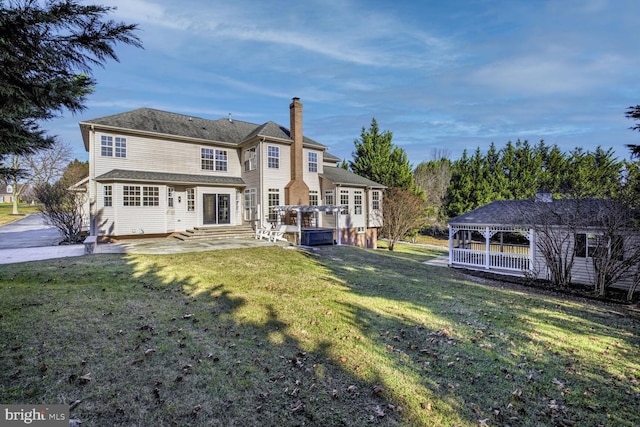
250,162
313,162
273,200
375,200
131,195
213,159
313,198
191,199
344,201
273,157
108,195
329,200
150,196
170,197
109,148
357,202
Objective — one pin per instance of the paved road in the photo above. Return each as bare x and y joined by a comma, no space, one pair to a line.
28,232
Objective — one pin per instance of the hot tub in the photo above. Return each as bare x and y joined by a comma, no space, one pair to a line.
316,236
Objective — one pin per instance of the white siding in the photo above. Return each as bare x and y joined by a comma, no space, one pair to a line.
162,155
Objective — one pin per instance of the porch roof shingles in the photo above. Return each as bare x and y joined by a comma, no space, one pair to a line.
166,177
341,176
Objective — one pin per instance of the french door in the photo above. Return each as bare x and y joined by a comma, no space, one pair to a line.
216,209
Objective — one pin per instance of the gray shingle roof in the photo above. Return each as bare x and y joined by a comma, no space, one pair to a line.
585,212
164,177
341,176
220,130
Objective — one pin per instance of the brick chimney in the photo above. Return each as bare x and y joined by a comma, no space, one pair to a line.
296,192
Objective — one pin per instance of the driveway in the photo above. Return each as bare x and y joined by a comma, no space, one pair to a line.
28,232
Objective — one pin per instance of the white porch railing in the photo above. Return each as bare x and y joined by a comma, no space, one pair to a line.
497,260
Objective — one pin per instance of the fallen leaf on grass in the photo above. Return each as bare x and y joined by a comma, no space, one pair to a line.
85,378
378,390
74,422
149,351
379,412
74,405
298,406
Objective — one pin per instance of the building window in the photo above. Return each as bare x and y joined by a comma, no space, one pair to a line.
361,230
344,201
108,195
107,146
313,198
250,204
592,245
213,159
250,162
131,195
191,199
170,197
150,196
273,157
313,162
273,200
375,200
357,202
329,200
121,147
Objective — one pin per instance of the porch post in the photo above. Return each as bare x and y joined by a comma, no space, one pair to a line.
338,226
487,238
299,226
451,234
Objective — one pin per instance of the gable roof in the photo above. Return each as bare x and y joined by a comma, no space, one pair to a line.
585,212
224,130
341,176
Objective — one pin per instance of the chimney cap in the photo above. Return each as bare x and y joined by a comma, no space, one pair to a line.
295,98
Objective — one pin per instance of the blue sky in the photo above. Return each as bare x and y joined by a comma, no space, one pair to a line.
442,76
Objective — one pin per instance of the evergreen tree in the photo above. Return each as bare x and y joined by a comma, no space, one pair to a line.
47,50
377,158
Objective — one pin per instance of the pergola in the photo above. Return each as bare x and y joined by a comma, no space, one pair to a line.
300,209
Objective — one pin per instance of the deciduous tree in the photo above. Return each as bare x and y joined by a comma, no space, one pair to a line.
404,211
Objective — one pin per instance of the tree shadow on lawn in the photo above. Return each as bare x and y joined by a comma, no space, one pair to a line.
545,359
146,341
173,340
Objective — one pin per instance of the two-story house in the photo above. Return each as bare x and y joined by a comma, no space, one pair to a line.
157,173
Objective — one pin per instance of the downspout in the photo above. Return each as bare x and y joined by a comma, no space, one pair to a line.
93,190
260,222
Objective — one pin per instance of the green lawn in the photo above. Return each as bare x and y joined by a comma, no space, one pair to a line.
281,337
7,208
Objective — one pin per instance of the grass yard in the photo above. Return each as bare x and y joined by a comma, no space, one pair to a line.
7,208
280,337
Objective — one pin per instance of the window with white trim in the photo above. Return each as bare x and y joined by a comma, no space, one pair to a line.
375,200
213,159
313,198
250,160
107,195
107,146
170,197
191,199
344,200
273,157
329,200
589,245
313,161
357,202
273,197
150,196
130,195
250,204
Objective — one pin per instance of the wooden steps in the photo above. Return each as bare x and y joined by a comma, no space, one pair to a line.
214,233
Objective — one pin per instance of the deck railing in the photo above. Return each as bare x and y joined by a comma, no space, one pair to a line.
497,260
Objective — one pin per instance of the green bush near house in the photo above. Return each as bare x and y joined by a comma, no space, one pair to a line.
335,336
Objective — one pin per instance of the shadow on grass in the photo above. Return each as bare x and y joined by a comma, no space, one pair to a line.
492,353
340,336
